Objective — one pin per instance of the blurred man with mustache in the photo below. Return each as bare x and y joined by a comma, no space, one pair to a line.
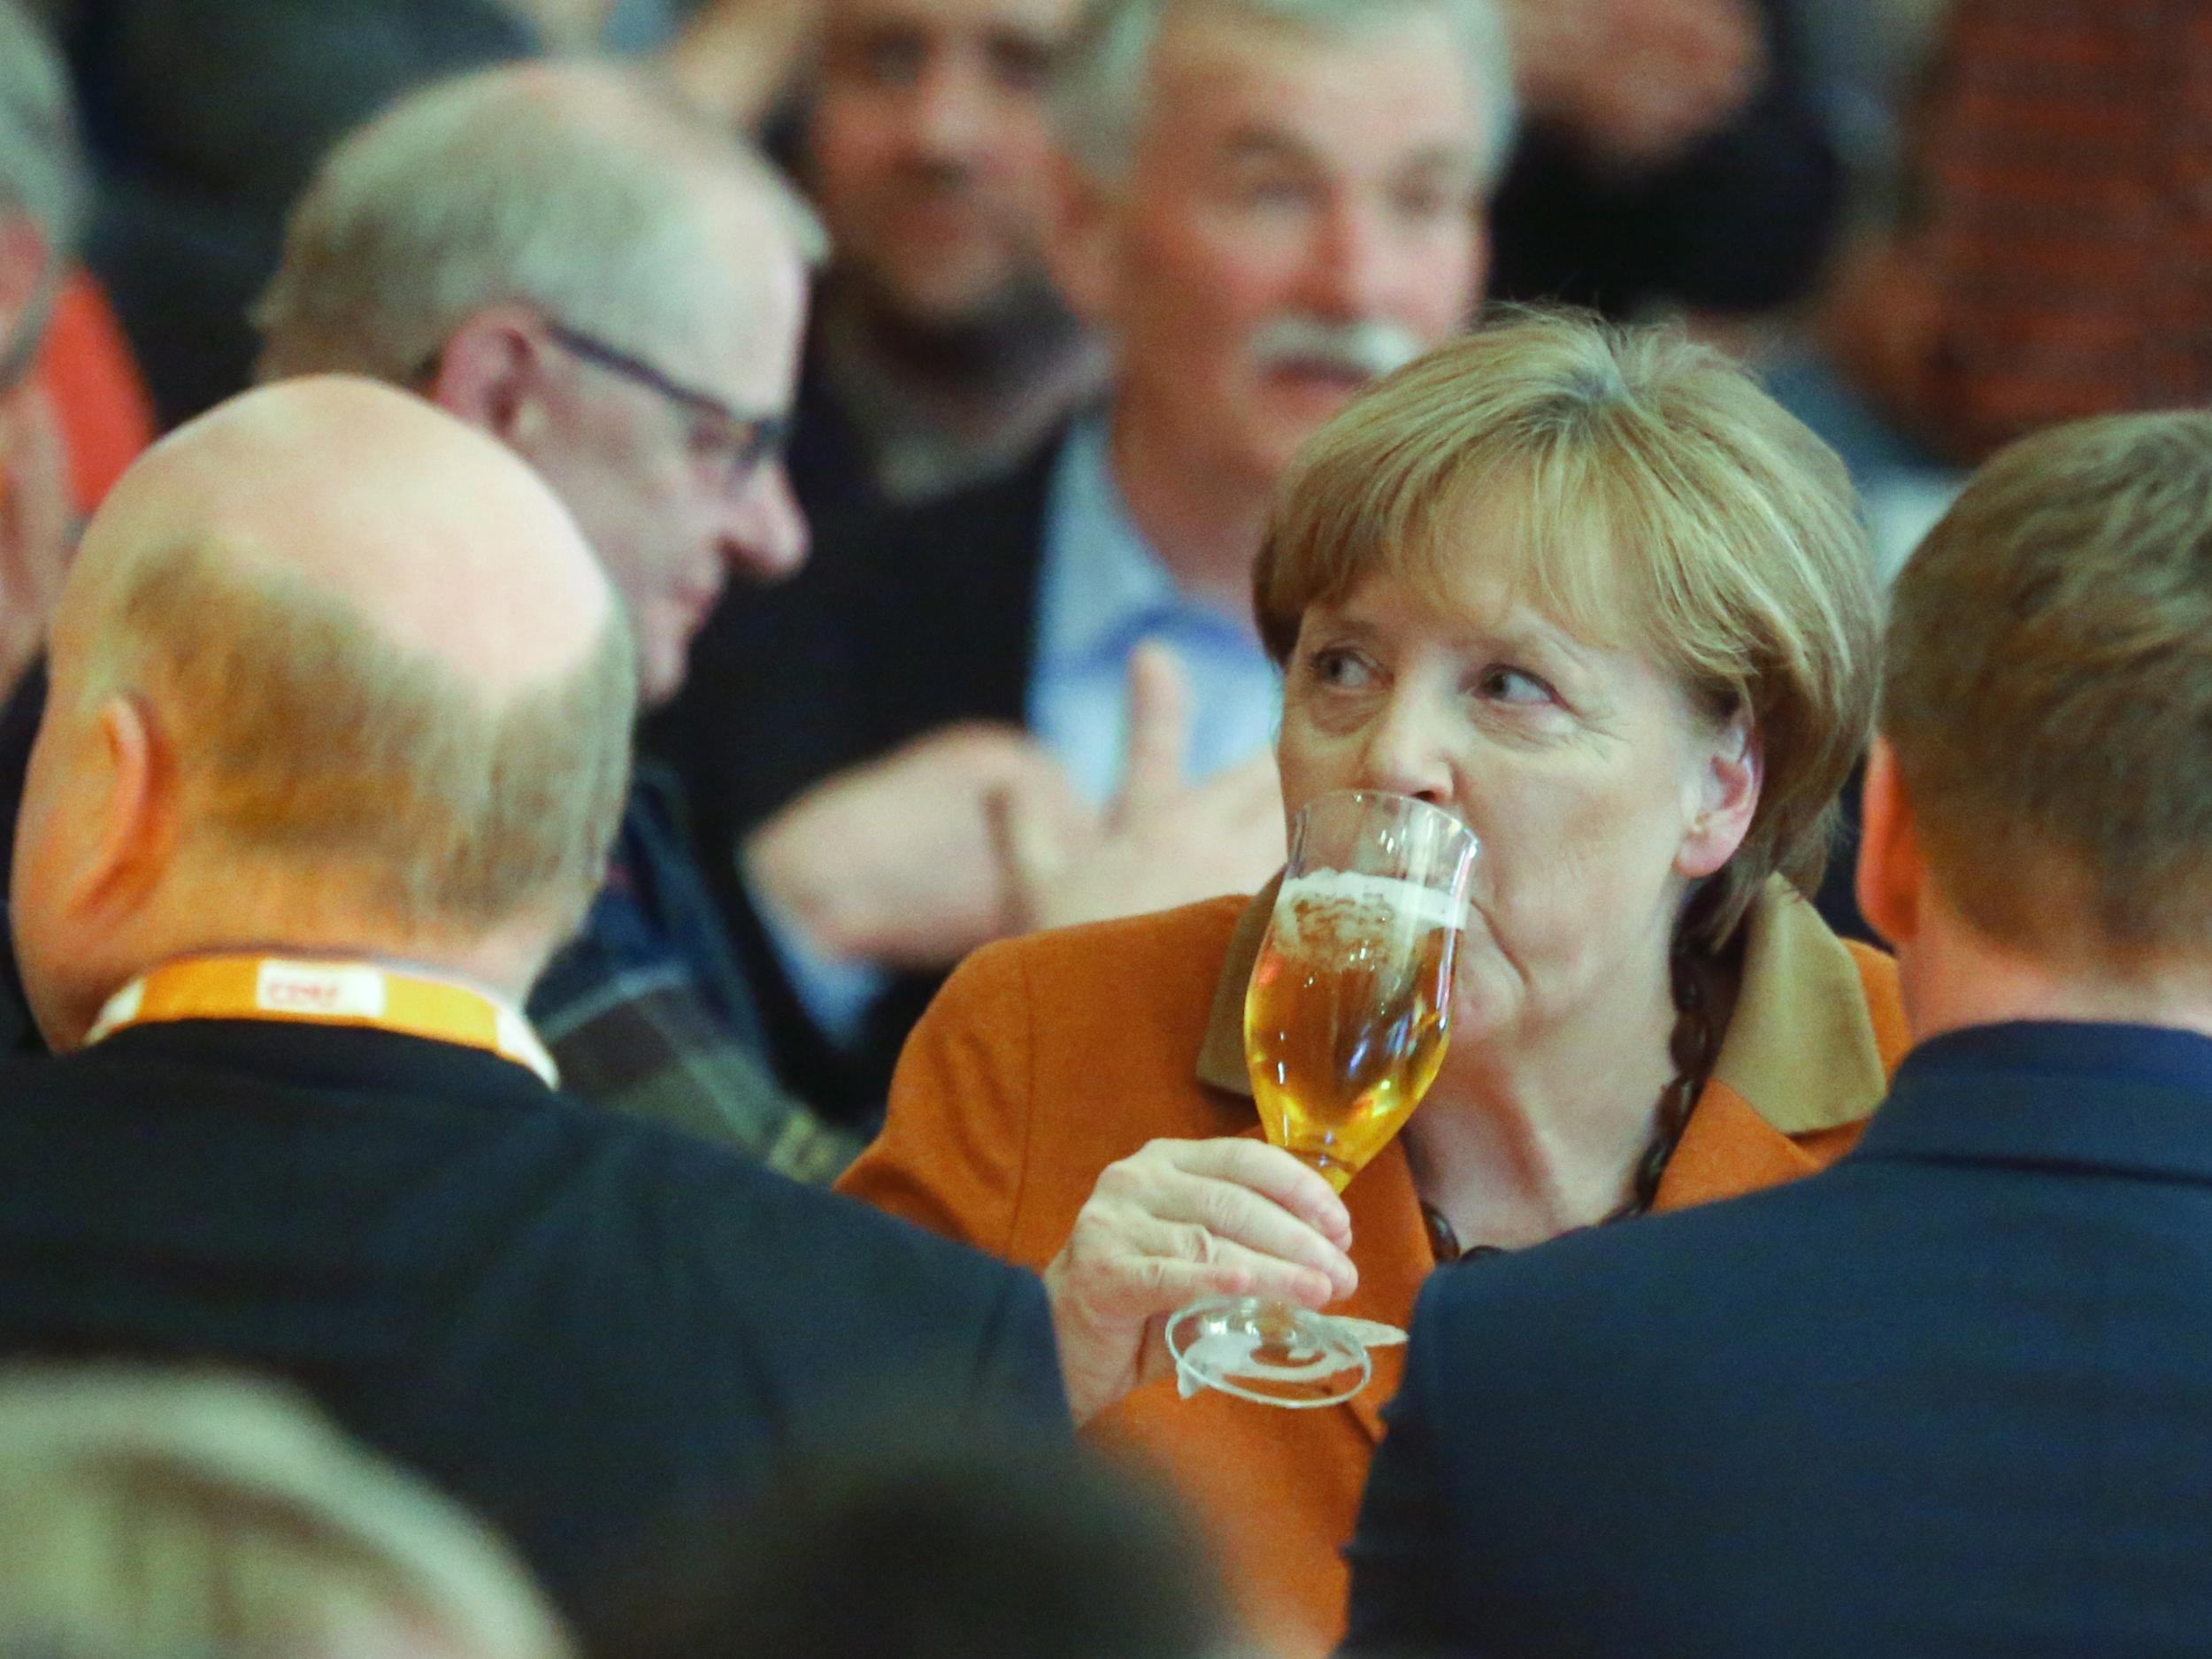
940,353
1053,680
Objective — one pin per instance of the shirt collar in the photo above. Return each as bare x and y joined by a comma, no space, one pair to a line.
2126,1099
1799,1049
1104,588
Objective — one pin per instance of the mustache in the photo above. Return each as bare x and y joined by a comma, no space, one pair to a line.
1370,346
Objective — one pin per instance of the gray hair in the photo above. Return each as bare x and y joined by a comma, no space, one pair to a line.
1099,92
41,172
576,187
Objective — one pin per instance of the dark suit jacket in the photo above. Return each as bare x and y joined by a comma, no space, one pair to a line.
591,1330
1952,1396
903,621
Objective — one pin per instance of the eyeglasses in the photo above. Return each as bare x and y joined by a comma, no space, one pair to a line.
739,445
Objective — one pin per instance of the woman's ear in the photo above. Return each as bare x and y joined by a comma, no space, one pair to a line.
1722,798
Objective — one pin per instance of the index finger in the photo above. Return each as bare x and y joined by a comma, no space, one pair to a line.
1273,1173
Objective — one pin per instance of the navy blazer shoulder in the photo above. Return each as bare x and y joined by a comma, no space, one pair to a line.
1953,1394
595,1331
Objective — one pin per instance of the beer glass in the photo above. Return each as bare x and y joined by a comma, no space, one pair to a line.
1345,1025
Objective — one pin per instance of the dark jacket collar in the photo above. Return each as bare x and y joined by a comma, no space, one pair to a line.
310,1057
2130,1100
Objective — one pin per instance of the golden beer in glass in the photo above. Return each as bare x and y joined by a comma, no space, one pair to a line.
1346,1017
1346,1020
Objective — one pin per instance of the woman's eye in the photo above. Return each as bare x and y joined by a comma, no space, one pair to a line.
1331,666
1511,685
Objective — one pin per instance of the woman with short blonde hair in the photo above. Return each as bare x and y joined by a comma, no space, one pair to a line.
1591,592
1752,587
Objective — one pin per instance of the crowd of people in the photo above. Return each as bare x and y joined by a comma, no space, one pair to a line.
615,615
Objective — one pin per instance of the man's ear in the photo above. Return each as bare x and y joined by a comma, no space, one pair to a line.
1723,799
1891,873
492,375
1081,228
133,831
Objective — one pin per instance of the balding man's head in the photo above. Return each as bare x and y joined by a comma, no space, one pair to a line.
565,257
342,671
584,189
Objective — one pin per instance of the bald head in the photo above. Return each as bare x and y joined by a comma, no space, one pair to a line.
333,671
433,536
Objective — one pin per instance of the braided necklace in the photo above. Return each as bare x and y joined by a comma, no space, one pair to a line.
1693,1047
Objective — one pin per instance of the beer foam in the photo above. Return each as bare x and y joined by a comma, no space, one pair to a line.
1337,896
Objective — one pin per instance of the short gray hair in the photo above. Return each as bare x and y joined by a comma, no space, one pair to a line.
1099,92
42,171
576,187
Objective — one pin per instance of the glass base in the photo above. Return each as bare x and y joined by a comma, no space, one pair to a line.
1266,1351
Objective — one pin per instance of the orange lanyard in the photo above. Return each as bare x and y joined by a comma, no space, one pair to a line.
325,994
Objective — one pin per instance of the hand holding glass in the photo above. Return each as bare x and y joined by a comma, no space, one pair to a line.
1345,1025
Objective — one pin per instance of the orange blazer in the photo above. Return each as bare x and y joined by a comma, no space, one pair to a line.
1047,1058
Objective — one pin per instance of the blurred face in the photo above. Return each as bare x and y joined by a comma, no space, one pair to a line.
1299,215
928,145
1581,768
651,478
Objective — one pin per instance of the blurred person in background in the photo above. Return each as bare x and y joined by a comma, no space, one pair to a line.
2034,278
940,352
1594,594
894,1549
616,290
1675,158
2045,259
207,117
42,204
1045,693
334,758
151,1515
81,358
1954,1393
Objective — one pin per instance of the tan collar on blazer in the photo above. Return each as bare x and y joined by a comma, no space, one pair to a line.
1800,1047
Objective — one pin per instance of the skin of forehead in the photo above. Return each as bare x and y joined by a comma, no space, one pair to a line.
434,534
1045,19
1207,43
751,309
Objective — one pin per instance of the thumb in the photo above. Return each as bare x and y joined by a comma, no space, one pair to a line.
1159,722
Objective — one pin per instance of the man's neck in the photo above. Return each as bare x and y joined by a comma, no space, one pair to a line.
1206,529
502,964
1953,978
955,400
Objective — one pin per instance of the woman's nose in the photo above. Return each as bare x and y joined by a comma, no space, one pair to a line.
1406,753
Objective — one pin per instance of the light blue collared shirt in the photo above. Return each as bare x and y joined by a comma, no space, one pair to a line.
1102,592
